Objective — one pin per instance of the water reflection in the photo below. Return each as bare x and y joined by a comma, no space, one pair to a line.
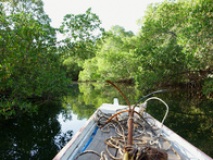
37,137
42,136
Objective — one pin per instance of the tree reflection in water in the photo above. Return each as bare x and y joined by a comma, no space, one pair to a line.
37,137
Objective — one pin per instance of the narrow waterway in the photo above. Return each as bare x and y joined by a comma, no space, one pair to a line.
43,135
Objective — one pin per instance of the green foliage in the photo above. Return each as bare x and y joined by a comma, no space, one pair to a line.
175,43
72,68
207,87
114,58
198,31
79,44
90,71
30,68
173,47
81,27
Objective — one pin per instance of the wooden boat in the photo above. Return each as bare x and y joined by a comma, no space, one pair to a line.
103,137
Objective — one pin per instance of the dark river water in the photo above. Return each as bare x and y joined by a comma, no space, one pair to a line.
40,137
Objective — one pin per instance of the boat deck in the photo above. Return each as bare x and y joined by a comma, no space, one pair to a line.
151,139
98,145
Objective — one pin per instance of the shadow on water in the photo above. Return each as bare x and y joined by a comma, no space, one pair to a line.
43,135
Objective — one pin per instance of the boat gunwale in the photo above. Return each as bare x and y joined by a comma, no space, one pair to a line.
71,145
72,148
179,143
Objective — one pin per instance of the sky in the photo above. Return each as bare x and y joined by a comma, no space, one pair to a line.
124,13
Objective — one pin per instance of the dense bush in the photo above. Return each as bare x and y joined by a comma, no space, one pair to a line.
30,69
